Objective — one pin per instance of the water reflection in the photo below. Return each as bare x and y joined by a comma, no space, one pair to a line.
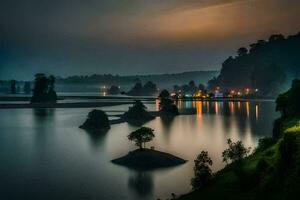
43,114
96,138
141,183
41,118
219,107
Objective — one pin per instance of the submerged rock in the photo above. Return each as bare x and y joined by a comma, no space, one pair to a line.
148,159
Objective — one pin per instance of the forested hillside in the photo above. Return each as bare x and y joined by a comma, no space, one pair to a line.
268,65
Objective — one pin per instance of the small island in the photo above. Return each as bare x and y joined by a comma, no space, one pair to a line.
144,159
137,114
167,106
97,121
43,91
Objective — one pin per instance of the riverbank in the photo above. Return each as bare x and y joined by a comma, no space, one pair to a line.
271,172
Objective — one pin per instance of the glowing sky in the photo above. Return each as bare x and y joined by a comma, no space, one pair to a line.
68,37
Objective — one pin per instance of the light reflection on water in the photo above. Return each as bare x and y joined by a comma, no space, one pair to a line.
44,155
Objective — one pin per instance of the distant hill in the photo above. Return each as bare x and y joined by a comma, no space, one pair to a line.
268,65
93,82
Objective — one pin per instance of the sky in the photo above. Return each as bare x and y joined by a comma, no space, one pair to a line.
126,37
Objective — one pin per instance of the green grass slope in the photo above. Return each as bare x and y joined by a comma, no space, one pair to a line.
271,172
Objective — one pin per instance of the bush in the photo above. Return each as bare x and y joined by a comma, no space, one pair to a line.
236,151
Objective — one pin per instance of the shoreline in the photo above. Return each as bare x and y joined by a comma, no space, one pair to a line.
9,102
61,105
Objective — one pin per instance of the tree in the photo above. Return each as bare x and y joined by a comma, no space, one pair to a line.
137,114
166,104
52,96
201,87
202,170
114,90
27,87
164,94
192,86
141,136
44,89
137,89
236,151
150,88
97,120
13,87
242,51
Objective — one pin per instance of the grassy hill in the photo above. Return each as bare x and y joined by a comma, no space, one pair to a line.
271,172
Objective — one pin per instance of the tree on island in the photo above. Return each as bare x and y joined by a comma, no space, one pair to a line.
236,151
13,87
167,106
137,114
27,87
141,136
202,170
97,120
44,89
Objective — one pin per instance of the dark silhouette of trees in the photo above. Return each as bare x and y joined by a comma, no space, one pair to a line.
236,151
141,136
136,90
139,90
13,87
164,94
268,66
201,87
167,106
213,83
288,102
202,170
150,88
189,88
44,89
97,120
114,90
27,87
242,51
137,114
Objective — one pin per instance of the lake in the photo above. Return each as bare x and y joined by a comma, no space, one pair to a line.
44,155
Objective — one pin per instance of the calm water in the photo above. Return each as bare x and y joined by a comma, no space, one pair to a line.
45,156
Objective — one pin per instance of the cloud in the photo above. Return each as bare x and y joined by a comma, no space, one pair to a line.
134,36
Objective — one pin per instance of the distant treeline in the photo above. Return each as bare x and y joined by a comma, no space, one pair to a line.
162,80
267,65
